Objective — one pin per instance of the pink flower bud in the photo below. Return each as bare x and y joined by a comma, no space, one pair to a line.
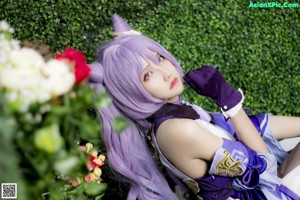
82,148
90,177
89,166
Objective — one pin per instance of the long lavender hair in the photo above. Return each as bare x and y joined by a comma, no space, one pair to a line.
117,71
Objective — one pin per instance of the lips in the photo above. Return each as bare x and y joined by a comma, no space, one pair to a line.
173,83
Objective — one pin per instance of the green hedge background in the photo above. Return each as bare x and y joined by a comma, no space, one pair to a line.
256,49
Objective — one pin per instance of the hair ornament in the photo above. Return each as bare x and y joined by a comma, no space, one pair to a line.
121,27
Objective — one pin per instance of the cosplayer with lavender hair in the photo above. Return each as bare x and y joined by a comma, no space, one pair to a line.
227,155
127,151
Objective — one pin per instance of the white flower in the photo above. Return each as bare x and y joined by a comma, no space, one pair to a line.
6,44
60,79
26,83
26,58
29,79
25,75
19,78
4,26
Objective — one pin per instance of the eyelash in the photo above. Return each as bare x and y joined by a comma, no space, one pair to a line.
160,58
147,76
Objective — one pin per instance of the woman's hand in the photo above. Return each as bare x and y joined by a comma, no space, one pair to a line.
208,81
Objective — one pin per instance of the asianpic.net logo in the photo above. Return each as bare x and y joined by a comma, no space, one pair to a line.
273,4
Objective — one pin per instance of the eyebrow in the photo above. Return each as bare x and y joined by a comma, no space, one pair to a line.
157,55
147,66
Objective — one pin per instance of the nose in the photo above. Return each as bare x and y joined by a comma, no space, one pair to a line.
166,73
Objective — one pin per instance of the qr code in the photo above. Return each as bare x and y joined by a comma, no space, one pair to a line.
8,190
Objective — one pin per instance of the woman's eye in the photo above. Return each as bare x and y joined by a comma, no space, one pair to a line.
160,58
147,76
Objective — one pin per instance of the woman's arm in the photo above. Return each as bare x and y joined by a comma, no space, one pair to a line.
192,149
208,81
247,133
187,145
285,126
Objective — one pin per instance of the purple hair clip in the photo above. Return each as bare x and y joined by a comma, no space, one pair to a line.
121,27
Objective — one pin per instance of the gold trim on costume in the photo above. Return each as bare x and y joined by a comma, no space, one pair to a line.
193,185
228,166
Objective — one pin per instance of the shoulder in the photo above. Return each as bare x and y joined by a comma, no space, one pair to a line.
187,137
180,130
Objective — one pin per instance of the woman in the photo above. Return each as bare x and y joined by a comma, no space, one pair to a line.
217,158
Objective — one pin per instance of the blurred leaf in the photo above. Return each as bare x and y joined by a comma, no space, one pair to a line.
48,139
120,123
103,101
66,165
95,189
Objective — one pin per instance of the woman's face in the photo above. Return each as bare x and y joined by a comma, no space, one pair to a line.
161,80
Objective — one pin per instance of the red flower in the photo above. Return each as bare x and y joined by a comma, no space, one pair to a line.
82,70
93,162
91,158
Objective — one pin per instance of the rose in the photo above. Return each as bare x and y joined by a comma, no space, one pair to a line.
27,78
99,161
95,161
82,70
59,77
26,58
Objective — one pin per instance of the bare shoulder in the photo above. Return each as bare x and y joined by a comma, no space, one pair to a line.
183,130
185,143
179,130
188,136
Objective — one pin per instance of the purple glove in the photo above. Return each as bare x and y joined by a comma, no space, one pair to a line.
208,81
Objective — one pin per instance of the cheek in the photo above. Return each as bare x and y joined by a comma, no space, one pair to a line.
181,88
148,86
154,88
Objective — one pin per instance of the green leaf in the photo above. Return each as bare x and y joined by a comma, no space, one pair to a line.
95,189
66,165
48,139
120,123
103,101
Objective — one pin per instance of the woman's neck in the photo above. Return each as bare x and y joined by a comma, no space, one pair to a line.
176,100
